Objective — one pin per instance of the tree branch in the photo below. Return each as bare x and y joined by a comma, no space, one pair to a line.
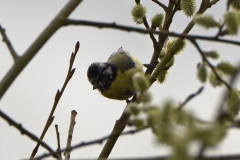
146,31
96,141
58,143
155,44
161,5
8,43
70,133
190,97
57,98
209,64
161,66
120,124
20,64
25,131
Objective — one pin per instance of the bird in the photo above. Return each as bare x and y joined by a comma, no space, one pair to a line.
113,79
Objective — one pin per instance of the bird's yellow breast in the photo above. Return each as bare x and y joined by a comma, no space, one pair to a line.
122,87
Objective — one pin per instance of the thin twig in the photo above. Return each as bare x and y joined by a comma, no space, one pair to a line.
70,133
209,64
44,36
190,97
146,31
217,157
96,141
26,132
155,44
8,43
220,32
161,5
57,98
58,143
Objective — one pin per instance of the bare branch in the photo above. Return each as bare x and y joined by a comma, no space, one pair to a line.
57,98
8,43
146,31
190,97
161,5
70,133
19,65
96,141
25,131
210,65
58,143
116,132
155,44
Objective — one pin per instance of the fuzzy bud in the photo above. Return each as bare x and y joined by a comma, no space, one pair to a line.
138,11
162,76
162,53
138,20
140,82
227,68
188,7
212,54
170,63
231,21
233,102
213,79
179,116
206,21
235,4
146,98
157,20
202,73
176,49
134,108
138,123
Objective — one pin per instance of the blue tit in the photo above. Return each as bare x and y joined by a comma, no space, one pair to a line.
113,78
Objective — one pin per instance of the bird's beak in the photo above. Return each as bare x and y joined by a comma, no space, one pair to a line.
95,86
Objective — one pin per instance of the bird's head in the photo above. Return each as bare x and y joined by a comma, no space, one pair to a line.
101,75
